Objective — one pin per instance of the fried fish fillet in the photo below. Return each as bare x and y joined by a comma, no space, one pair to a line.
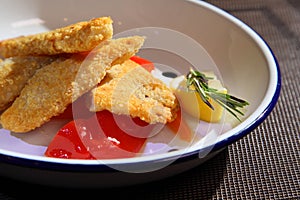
79,37
55,86
130,89
15,72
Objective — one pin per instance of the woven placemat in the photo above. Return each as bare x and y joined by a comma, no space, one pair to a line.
264,164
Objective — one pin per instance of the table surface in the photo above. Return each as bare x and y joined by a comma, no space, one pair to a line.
262,165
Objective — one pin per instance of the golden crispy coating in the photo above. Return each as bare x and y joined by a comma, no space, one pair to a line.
15,72
130,89
79,37
55,86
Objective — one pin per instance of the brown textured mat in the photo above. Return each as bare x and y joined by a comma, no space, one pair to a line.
264,164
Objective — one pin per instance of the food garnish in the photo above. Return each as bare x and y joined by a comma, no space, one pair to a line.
197,81
191,102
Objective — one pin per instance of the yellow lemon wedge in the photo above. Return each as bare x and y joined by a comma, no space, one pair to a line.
191,102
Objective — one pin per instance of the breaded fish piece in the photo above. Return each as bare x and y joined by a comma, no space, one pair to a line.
55,86
79,37
131,90
15,72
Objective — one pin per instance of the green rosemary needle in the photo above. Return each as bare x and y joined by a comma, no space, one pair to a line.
198,82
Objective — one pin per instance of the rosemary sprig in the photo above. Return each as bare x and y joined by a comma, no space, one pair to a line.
198,82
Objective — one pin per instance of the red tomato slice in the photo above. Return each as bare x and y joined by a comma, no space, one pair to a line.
130,133
83,139
148,65
67,143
